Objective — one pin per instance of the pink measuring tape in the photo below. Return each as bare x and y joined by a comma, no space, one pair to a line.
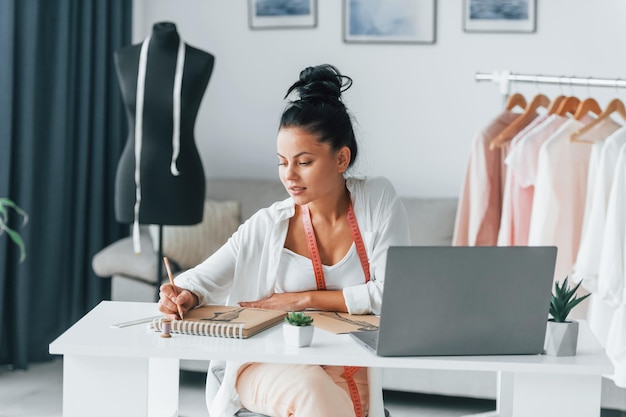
314,251
348,371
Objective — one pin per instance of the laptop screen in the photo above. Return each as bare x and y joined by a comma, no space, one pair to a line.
465,300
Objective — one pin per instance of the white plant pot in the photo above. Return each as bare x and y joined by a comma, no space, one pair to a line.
297,336
561,338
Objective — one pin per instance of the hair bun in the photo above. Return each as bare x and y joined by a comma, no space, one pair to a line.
322,82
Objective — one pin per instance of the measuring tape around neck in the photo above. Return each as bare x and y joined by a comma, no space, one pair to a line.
314,250
348,371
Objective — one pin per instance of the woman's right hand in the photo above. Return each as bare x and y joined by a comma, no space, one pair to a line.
169,301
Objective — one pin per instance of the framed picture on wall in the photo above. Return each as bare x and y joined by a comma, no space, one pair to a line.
500,16
389,21
270,14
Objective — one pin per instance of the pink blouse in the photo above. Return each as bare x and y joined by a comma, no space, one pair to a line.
480,203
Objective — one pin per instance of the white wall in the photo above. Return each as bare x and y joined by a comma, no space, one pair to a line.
417,106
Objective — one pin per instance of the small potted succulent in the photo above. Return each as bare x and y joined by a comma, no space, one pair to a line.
562,334
298,329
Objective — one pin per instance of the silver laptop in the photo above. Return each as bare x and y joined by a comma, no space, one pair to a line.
441,301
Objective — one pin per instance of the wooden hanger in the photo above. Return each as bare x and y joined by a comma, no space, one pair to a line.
615,106
515,100
530,112
586,106
569,105
554,105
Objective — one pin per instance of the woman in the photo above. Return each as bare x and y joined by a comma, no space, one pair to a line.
324,248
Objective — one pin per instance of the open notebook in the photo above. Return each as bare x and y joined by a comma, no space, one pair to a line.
223,321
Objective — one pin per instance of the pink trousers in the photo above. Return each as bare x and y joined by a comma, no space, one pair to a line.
280,390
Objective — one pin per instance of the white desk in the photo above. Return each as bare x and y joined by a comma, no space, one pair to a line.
133,372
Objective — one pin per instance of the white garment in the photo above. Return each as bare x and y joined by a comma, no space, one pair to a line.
600,314
612,270
592,174
246,267
560,188
296,273
588,258
616,346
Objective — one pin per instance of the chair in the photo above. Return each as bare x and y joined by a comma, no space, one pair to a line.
375,376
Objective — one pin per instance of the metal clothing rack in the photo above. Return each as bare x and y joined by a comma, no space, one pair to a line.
505,78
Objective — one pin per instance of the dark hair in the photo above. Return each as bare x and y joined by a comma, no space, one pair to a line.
319,109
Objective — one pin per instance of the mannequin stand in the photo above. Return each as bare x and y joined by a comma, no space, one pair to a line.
159,264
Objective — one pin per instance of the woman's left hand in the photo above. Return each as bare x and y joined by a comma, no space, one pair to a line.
288,301
297,301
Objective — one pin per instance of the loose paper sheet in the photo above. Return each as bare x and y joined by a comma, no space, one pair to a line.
340,323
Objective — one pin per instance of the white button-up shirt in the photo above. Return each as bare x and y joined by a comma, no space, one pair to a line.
246,267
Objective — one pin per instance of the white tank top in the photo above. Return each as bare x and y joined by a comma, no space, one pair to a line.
295,272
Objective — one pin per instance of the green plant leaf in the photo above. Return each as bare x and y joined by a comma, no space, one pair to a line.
5,205
564,299
298,318
17,239
5,202
577,301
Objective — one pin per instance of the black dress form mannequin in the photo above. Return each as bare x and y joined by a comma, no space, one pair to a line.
165,198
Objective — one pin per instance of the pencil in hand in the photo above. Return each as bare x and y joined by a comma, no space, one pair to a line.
171,277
